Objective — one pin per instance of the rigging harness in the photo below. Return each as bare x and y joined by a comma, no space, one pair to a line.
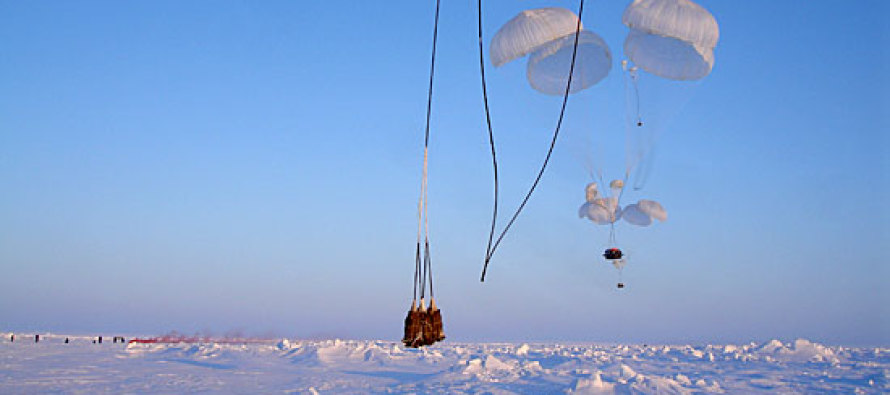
423,325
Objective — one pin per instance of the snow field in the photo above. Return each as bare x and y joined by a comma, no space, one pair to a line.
345,366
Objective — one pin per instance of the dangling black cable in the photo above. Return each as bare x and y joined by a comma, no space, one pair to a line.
493,247
423,274
494,158
429,267
422,261
429,98
416,270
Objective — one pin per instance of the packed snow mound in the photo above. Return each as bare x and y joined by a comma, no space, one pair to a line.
592,385
338,366
801,350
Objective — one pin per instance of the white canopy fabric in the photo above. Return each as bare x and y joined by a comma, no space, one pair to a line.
548,66
591,192
602,211
529,30
668,57
634,216
680,19
652,209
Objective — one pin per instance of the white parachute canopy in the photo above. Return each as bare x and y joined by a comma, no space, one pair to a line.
634,216
548,66
591,192
529,30
680,19
602,211
653,209
668,57
616,186
643,212
672,39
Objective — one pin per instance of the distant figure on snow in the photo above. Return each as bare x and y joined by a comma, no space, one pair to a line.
12,337
36,338
100,339
66,340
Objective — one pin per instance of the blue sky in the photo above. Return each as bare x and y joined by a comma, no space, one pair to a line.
254,166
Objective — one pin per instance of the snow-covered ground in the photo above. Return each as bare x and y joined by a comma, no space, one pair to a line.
343,366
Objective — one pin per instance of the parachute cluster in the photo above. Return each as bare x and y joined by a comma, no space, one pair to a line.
672,39
603,210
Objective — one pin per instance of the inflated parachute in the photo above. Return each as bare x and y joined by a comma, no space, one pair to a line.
605,210
529,30
681,19
548,66
672,39
652,209
601,211
668,57
548,35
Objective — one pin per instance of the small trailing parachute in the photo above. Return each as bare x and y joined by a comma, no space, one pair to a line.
603,210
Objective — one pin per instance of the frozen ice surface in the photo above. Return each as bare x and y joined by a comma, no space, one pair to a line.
344,366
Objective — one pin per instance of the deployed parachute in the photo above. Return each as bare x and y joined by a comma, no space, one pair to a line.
680,19
668,57
634,216
606,210
601,211
548,34
591,192
548,66
529,30
652,209
671,40
674,41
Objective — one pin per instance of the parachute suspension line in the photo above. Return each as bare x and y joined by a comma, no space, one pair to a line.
631,115
422,261
494,157
632,75
493,247
633,150
428,261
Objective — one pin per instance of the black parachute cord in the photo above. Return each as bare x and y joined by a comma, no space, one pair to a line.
429,99
419,268
423,274
416,271
494,157
428,260
562,112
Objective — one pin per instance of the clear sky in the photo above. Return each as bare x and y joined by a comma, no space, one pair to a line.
254,166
